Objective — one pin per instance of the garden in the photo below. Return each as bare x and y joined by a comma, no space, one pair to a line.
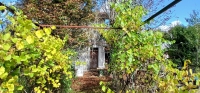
39,59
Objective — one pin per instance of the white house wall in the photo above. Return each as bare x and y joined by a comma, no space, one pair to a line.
84,57
101,57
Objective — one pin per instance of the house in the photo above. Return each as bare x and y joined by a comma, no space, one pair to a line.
96,55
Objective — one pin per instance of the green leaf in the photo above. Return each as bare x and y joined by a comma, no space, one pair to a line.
17,58
6,58
101,82
6,36
109,91
103,88
16,72
14,40
2,7
6,46
23,58
20,87
31,75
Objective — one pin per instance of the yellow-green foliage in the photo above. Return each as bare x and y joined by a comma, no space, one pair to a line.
178,81
32,54
134,49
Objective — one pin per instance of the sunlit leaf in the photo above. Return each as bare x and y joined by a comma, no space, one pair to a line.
30,39
20,88
101,82
53,51
109,91
47,31
31,75
6,36
2,7
39,33
53,27
8,57
4,75
19,45
6,46
103,88
2,70
10,87
14,40
190,71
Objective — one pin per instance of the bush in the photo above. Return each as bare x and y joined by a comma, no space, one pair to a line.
31,59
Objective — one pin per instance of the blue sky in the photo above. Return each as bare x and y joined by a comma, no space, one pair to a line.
181,11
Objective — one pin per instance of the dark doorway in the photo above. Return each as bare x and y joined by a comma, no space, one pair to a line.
93,58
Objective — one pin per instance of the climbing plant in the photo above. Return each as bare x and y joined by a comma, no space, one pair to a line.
137,58
31,60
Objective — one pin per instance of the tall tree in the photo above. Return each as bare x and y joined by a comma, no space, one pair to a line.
194,23
150,5
181,49
61,12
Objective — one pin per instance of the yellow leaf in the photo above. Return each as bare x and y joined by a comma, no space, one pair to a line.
19,45
190,71
2,70
49,56
29,39
39,33
53,27
54,51
10,87
2,7
47,31
4,75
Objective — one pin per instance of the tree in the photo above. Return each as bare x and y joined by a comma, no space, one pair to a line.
187,41
137,63
150,5
194,23
61,12
31,58
194,18
183,47
132,50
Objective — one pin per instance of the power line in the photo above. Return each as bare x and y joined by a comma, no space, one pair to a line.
65,26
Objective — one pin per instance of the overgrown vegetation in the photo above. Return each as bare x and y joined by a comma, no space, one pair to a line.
32,60
186,44
138,63
62,12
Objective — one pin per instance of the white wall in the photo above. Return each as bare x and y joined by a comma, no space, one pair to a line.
84,56
101,57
